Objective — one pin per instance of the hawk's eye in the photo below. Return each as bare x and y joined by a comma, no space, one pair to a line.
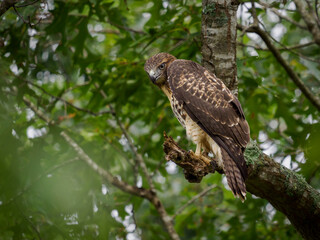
161,67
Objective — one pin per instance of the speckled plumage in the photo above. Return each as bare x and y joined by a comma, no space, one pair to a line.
211,114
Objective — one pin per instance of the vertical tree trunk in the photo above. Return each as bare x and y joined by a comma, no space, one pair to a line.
219,34
287,191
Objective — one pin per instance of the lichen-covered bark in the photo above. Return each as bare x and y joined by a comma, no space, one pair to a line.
287,191
219,33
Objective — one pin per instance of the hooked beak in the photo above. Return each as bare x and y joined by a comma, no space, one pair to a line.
152,76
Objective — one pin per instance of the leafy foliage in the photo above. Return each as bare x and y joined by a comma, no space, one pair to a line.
84,57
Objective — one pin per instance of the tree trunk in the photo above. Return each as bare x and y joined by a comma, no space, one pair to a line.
287,191
219,35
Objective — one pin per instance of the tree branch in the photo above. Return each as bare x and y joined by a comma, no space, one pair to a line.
292,74
37,111
287,191
28,219
275,11
5,5
27,4
194,168
140,192
125,28
297,46
21,17
310,19
218,35
284,48
138,157
294,77
193,199
67,102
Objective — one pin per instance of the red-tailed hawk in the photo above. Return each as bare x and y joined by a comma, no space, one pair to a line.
211,114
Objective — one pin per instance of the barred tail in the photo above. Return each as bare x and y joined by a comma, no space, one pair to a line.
235,180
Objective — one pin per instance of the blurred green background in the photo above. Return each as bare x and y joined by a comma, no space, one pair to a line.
80,48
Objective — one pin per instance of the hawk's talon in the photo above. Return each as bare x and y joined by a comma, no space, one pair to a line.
205,160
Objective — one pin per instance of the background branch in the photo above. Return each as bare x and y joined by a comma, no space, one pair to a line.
308,15
193,199
292,74
67,102
138,156
140,192
27,4
285,48
5,5
275,11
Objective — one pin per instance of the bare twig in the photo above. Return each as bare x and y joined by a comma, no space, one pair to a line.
294,52
5,5
29,18
37,111
29,221
284,48
275,11
27,4
297,46
138,156
254,14
126,28
66,102
309,18
75,86
294,77
193,199
141,192
134,150
131,162
167,220
20,16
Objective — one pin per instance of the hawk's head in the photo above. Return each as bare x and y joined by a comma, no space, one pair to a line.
157,66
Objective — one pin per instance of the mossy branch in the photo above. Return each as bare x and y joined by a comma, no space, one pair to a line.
286,190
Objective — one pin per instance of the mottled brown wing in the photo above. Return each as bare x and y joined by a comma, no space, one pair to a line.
212,106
